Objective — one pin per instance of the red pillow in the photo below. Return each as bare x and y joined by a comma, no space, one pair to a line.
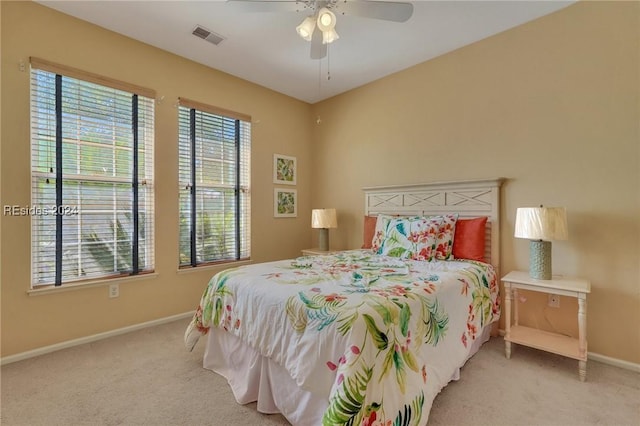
468,242
369,231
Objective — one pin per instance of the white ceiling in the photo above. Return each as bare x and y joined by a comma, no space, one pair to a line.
264,48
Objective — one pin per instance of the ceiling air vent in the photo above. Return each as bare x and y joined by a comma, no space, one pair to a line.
205,34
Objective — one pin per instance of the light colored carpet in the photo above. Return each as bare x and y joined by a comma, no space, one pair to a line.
148,378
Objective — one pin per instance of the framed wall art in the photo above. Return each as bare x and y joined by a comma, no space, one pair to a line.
284,169
285,202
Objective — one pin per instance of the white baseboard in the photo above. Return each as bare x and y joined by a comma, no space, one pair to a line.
632,366
614,361
88,339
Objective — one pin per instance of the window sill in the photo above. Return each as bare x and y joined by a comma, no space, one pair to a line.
88,284
214,266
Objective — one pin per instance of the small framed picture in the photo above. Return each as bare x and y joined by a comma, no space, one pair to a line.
284,169
285,202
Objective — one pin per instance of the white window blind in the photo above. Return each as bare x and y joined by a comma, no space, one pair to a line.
214,173
92,180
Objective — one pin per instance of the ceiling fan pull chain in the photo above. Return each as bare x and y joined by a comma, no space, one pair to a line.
328,63
319,77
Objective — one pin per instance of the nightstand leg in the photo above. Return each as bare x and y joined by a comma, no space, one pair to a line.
582,370
582,336
515,306
507,320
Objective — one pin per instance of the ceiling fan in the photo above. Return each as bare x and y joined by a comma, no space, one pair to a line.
319,25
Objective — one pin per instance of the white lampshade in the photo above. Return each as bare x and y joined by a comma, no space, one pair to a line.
541,223
329,36
305,29
326,19
324,218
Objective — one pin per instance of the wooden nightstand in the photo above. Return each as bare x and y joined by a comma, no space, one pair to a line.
545,340
317,251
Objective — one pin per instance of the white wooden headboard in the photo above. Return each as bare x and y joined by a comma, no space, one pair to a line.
472,198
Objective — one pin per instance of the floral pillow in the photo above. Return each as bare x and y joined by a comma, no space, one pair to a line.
380,231
446,234
382,226
407,237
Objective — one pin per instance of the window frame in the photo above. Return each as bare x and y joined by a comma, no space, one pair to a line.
102,85
241,185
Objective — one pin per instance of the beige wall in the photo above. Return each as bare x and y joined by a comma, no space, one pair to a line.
284,127
554,107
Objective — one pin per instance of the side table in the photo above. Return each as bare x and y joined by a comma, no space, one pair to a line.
545,340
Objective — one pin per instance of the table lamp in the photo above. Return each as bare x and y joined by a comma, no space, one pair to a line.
541,225
323,219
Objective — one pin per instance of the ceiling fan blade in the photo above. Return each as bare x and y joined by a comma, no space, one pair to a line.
318,50
385,10
267,5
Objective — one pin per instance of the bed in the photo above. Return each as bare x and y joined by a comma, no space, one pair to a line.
367,336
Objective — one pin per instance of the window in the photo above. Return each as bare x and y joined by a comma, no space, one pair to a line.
215,201
91,176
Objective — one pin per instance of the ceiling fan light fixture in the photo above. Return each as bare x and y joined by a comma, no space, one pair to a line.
305,29
326,20
329,36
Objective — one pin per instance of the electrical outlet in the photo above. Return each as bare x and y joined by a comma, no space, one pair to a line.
114,290
554,301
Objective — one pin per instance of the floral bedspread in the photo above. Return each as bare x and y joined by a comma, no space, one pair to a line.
379,335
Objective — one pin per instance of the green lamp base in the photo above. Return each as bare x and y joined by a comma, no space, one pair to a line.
540,260
324,239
